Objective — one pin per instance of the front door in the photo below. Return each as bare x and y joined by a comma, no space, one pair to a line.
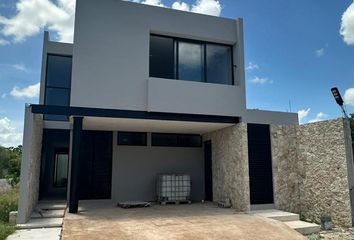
95,178
208,174
260,164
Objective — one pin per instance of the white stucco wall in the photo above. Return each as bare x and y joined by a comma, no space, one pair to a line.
111,59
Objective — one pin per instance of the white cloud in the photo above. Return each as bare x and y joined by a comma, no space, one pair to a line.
9,136
347,25
31,91
319,117
209,7
153,2
260,80
181,6
349,96
320,52
32,16
4,42
303,114
21,67
251,66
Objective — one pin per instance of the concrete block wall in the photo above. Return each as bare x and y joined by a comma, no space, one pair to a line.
230,165
30,165
312,170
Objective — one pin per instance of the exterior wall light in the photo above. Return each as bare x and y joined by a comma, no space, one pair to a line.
337,96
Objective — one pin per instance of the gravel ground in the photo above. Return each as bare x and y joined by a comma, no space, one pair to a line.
335,234
4,186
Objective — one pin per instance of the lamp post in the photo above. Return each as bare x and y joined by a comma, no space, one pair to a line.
339,100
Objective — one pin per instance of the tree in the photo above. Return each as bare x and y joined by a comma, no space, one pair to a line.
10,164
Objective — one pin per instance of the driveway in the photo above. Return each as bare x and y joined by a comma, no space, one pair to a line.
102,220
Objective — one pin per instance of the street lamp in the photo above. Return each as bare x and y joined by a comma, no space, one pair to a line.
339,100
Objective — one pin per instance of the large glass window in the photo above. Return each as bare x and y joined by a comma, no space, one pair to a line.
162,57
190,60
219,64
58,84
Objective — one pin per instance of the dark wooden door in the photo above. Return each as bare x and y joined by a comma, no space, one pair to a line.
260,164
208,174
96,165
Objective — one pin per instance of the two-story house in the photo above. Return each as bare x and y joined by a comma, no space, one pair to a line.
140,93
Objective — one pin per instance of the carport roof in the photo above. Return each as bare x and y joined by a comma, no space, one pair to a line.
115,113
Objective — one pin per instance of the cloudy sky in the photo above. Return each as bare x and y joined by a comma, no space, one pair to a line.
295,52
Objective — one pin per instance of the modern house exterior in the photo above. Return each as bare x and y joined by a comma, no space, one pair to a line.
145,91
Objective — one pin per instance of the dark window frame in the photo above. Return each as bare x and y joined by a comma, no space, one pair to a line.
48,117
176,41
177,135
144,134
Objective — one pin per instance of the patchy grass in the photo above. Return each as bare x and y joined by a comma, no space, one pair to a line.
8,203
6,230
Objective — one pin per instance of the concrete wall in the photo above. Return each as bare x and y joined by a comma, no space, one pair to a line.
135,169
312,169
270,117
51,48
112,48
30,165
230,165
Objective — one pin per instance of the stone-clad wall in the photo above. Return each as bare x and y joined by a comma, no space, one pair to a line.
325,188
30,165
286,172
230,165
310,170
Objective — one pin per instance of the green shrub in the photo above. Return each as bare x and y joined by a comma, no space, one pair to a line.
6,230
8,203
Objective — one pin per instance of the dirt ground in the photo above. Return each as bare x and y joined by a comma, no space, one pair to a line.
102,220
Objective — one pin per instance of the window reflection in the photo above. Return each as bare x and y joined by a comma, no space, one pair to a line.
190,61
219,64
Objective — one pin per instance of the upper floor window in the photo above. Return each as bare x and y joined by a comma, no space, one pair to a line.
190,60
58,83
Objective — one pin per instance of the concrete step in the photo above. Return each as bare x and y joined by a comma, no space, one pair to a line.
49,205
277,215
41,223
48,214
36,234
304,228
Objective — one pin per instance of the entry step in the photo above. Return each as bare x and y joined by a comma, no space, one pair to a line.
34,223
40,213
36,234
305,228
50,205
277,215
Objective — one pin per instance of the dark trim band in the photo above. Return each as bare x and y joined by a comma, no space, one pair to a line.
114,113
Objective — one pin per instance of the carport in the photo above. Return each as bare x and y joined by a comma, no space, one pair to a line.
103,220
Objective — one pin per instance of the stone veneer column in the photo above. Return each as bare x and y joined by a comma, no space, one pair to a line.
230,165
30,165
286,173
